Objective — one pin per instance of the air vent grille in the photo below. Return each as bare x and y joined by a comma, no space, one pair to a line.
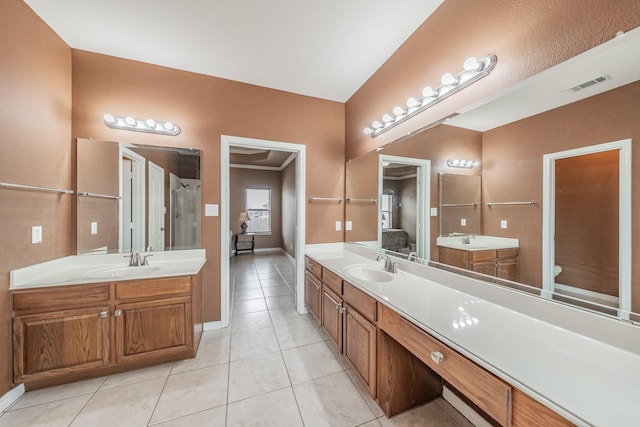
590,83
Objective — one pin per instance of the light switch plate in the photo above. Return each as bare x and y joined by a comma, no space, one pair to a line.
348,225
503,223
338,225
434,211
211,210
94,228
36,234
463,222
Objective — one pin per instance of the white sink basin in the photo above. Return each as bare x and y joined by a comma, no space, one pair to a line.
119,272
368,273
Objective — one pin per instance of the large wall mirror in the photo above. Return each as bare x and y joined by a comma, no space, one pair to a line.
136,197
558,240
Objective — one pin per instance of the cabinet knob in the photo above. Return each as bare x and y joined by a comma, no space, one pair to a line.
317,286
437,357
117,313
103,314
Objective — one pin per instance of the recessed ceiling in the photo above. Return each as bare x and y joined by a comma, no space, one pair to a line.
325,49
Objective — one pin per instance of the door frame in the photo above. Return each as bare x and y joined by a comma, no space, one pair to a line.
300,151
624,214
163,211
138,197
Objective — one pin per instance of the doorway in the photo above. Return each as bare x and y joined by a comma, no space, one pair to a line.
157,208
132,201
225,248
587,225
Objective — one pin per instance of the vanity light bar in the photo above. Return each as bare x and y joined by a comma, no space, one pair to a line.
459,163
138,125
474,70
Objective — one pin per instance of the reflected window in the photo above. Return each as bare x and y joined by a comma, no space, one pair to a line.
258,206
386,211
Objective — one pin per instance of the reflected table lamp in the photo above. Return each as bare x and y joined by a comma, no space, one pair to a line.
244,217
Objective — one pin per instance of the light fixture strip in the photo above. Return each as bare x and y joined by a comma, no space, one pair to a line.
138,125
460,163
450,84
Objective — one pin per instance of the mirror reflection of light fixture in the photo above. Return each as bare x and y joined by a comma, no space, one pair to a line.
137,125
459,163
473,70
244,217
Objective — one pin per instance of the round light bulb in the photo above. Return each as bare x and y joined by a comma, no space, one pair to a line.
150,123
428,92
108,118
472,64
168,125
412,102
398,110
448,79
476,164
130,121
387,118
376,124
368,131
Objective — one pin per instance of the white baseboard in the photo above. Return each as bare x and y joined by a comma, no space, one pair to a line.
464,409
11,396
210,326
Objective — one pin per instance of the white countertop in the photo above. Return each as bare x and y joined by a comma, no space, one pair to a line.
477,243
80,269
583,365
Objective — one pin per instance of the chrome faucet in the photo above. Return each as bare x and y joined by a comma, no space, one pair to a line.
136,259
412,255
389,266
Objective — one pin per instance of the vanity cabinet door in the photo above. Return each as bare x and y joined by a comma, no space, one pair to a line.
312,295
59,343
149,330
332,317
360,345
507,264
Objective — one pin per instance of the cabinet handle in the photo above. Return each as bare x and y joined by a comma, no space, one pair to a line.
103,314
317,286
117,313
437,357
342,308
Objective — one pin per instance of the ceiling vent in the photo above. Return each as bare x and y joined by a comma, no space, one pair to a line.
590,83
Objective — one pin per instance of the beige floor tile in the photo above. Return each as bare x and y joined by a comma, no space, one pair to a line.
131,405
331,401
58,392
310,362
296,334
253,343
257,375
364,392
271,282
250,321
192,392
51,414
242,284
287,316
215,417
428,415
213,350
277,408
453,413
249,306
277,291
241,295
136,376
280,302
374,423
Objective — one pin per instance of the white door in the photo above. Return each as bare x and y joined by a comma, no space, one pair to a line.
126,220
156,207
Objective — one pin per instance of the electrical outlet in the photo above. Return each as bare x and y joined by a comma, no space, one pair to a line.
36,234
463,222
94,228
503,223
434,211
338,225
348,225
211,210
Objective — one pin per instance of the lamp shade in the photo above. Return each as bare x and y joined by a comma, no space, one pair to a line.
244,217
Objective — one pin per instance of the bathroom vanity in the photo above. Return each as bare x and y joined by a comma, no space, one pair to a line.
93,316
413,335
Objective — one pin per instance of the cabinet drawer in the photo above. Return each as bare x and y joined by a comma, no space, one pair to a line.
508,253
362,302
56,297
332,281
244,237
153,288
313,267
485,390
479,256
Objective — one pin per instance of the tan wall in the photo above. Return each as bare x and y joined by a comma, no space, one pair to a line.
241,178
35,149
512,168
527,37
206,108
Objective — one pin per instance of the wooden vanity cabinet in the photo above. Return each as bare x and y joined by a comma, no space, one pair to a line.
332,311
67,333
312,295
502,263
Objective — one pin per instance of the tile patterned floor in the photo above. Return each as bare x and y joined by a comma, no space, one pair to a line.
271,367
